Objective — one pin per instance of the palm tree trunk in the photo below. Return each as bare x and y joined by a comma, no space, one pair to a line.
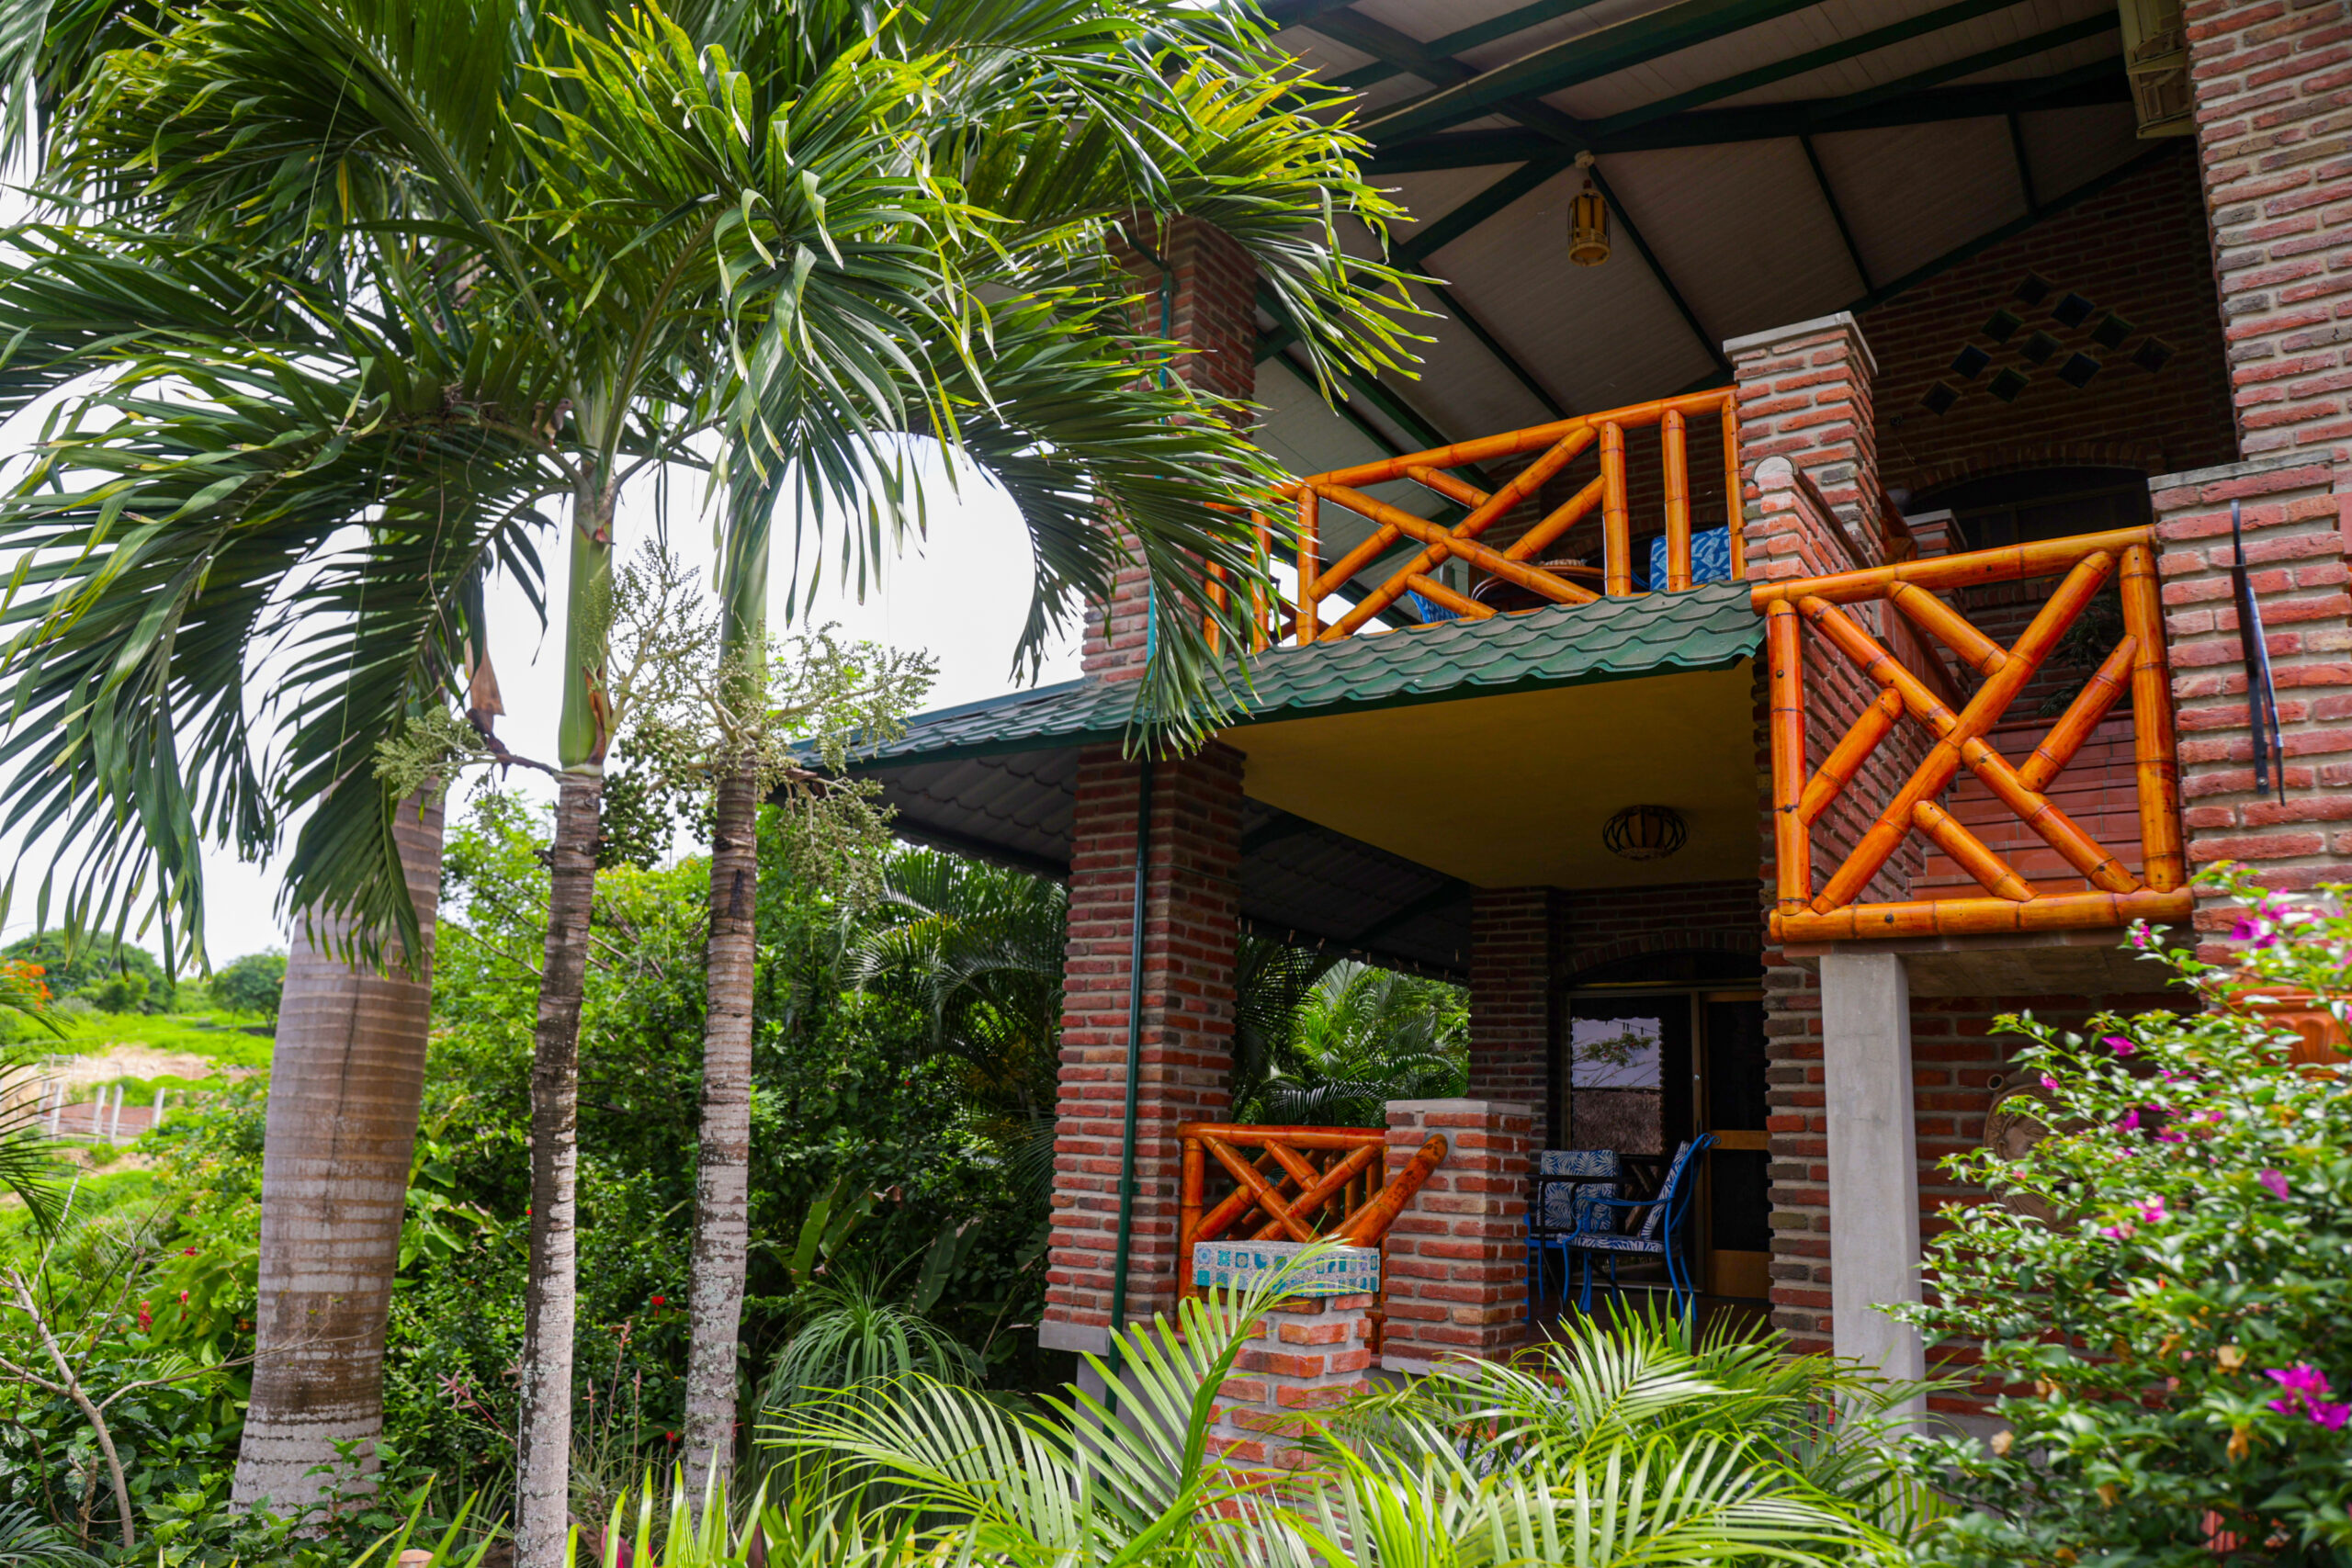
543,1447
346,1081
721,1203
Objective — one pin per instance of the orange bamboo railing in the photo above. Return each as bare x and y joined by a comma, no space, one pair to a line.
1556,444
1302,1184
1832,911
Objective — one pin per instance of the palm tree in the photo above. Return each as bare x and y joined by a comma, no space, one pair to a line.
561,248
1334,1041
1610,1454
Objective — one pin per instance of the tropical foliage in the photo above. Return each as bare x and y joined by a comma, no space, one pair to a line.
1328,1041
2160,1298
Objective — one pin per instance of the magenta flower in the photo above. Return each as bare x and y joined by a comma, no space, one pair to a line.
2049,1082
2169,1136
2131,1122
2123,1231
2276,1181
2117,1043
2153,1210
2306,1389
2331,1416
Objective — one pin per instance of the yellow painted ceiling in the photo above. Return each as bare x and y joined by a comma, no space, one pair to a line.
1512,791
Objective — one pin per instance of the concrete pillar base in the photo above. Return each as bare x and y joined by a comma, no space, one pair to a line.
1873,1161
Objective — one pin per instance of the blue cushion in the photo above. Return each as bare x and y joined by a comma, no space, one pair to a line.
1618,1243
1430,609
1565,1207
1665,1190
1710,557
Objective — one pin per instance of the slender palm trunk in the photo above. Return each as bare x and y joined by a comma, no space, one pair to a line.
721,1203
347,1080
543,1447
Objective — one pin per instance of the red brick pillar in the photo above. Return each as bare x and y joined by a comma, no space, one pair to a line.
2272,92
2297,536
1805,395
1308,1356
1190,925
1214,316
1455,1274
1512,946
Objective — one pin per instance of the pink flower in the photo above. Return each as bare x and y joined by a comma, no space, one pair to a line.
2276,1181
2131,1122
2123,1231
2117,1043
146,1318
2049,1082
2169,1136
2153,1210
2306,1388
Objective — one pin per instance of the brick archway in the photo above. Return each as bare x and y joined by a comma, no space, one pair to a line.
1991,462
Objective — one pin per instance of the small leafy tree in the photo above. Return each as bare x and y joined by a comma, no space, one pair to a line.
2171,1340
254,984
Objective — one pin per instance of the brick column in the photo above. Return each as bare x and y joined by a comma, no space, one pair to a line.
1214,316
2298,534
1455,1274
1310,1355
1805,395
1512,946
1190,925
2272,92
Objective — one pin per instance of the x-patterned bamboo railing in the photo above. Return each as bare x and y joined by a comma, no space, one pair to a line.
2012,903
1558,444
1302,1184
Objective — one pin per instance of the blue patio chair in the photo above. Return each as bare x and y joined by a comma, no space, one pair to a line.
1567,1183
1710,557
1660,1233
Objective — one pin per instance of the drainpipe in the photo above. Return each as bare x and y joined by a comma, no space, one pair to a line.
1134,1070
1143,881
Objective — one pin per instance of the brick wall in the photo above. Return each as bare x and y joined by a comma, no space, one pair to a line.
1510,993
1455,1275
2298,534
2271,91
2137,250
1192,921
1305,1356
1214,316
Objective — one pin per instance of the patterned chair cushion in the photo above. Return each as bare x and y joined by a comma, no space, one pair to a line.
1710,557
1657,1215
1618,1243
1565,1206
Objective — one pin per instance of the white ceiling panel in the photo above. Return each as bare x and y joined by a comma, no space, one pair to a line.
1600,336
2068,147
1913,192
1700,209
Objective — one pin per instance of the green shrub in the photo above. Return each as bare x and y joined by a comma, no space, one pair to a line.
2174,1344
254,985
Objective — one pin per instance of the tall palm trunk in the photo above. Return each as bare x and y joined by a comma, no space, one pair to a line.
543,1450
346,1082
723,1182
543,1439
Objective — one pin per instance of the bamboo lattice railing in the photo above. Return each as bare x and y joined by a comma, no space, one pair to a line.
1832,911
1557,446
1302,1184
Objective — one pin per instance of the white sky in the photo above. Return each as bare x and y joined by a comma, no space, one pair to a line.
962,594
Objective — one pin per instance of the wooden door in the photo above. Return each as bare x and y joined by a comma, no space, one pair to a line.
1735,1203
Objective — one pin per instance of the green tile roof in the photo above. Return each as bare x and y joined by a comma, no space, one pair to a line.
1566,645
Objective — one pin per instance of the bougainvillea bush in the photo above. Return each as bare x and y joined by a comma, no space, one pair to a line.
2171,1321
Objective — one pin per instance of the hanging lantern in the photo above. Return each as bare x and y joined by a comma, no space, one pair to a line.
1587,221
1646,833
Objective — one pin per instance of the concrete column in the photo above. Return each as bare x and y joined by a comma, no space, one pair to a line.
1873,1160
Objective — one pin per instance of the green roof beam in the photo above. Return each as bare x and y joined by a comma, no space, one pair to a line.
1984,60
1583,58
1472,37
2102,81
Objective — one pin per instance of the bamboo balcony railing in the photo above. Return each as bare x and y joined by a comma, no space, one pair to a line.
1557,446
1300,1184
1832,911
